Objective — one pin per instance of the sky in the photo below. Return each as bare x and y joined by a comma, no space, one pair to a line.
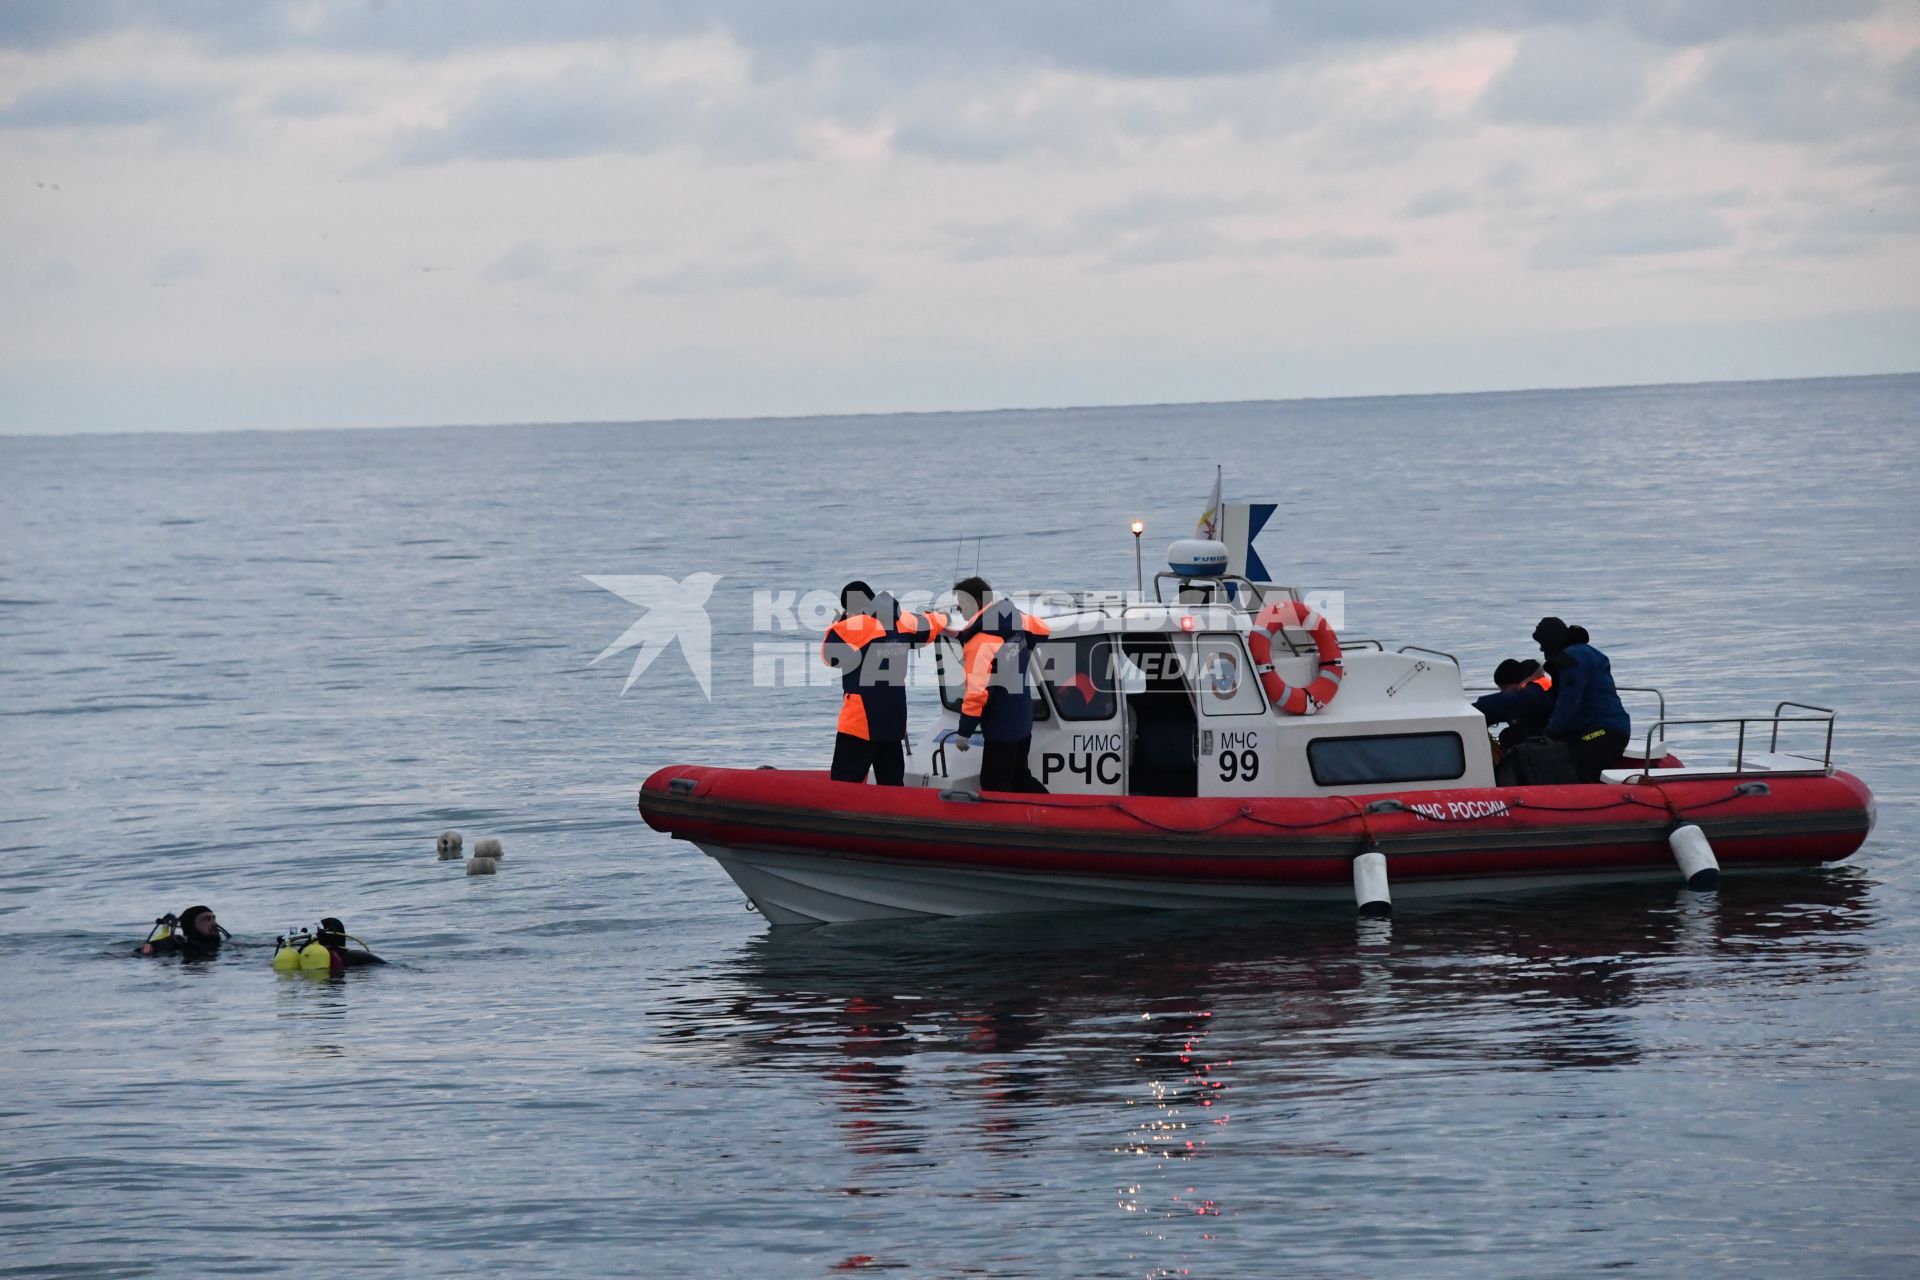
310,214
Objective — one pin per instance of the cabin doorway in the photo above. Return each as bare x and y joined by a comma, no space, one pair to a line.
1162,731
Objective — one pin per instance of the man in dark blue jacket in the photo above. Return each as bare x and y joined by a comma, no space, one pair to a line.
998,702
1587,714
868,646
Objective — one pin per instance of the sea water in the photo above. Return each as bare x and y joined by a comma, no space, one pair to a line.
264,671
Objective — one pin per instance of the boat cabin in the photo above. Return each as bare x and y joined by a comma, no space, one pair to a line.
1162,699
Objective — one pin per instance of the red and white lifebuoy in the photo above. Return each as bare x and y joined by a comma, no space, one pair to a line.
1326,681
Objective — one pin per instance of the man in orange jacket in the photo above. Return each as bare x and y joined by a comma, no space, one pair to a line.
868,645
995,643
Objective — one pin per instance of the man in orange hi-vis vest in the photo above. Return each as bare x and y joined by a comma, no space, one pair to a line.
995,643
868,645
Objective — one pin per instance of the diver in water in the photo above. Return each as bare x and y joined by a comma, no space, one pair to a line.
194,934
334,937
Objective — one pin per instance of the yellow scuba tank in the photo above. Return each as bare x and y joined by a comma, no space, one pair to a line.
286,957
314,956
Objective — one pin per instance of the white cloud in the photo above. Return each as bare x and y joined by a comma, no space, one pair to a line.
308,102
582,112
1437,202
104,102
772,269
1639,228
1126,38
888,202
1801,90
1849,227
1568,78
177,267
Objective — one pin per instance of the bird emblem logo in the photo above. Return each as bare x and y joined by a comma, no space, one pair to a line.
674,611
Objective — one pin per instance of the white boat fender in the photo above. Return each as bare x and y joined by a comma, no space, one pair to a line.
478,866
1695,856
1370,892
488,847
448,846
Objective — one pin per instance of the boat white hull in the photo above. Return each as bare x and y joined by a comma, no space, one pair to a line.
807,889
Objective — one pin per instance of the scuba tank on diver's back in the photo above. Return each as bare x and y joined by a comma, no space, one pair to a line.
289,947
322,949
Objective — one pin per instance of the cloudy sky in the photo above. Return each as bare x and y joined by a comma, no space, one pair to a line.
224,214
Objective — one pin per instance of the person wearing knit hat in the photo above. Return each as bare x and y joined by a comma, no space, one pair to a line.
1522,704
195,934
1587,712
1551,635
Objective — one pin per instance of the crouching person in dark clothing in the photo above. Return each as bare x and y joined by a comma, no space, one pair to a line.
1523,703
1587,714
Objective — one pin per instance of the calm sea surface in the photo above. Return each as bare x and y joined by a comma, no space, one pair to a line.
263,671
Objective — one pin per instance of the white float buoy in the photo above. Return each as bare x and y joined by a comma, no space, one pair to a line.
1370,890
487,847
1695,856
479,866
448,846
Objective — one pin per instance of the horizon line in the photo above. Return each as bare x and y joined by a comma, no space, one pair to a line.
744,419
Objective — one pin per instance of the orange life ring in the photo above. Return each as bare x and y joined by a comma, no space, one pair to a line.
1326,681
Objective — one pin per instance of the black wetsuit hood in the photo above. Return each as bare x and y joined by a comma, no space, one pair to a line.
333,936
192,943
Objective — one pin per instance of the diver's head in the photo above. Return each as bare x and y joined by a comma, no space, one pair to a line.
332,932
200,925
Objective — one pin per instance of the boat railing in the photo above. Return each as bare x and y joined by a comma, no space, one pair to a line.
1659,697
1109,603
1657,732
1824,713
1438,653
1249,598
937,765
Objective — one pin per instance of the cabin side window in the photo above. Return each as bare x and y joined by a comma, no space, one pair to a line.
1386,757
1224,677
1078,673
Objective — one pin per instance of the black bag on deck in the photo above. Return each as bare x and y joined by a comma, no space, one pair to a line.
1539,762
